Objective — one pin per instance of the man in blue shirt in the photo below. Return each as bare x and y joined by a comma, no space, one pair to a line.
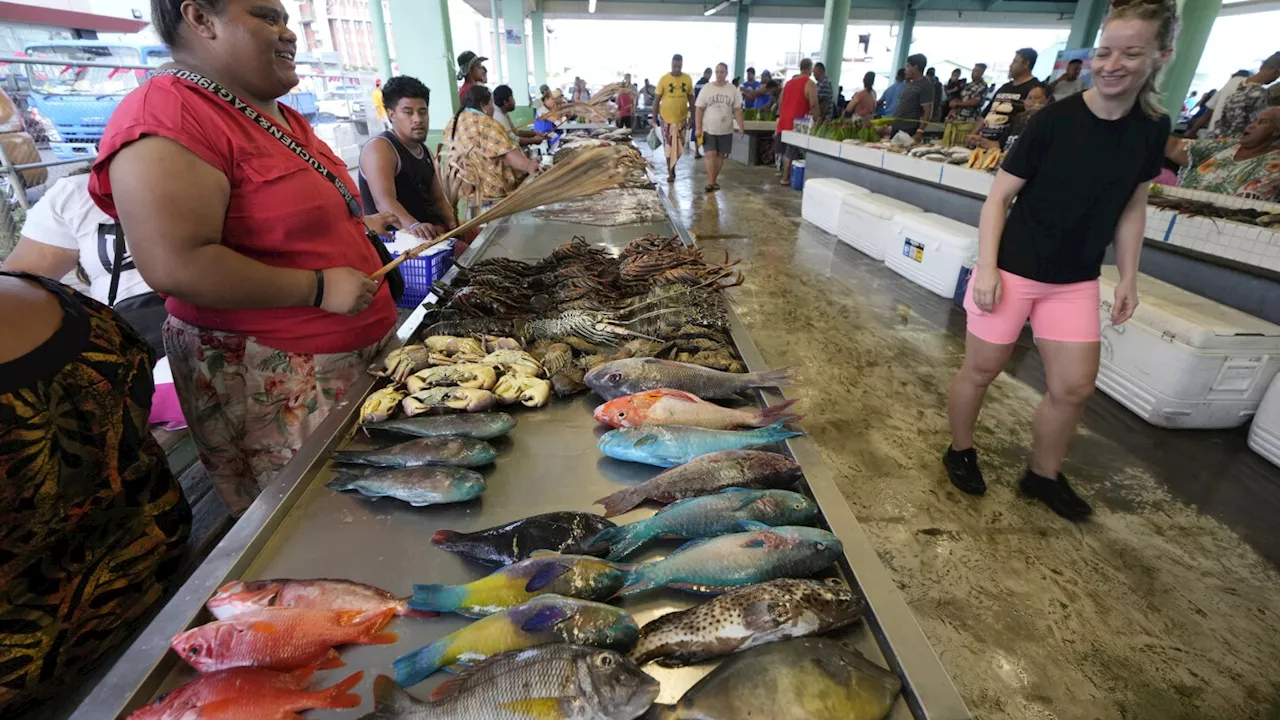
758,98
749,87
889,101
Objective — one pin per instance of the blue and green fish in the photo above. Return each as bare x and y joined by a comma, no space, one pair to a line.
671,445
544,573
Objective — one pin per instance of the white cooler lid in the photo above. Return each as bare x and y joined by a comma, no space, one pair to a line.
1192,320
882,206
832,186
939,225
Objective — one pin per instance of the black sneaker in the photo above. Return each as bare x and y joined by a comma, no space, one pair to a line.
1057,494
962,468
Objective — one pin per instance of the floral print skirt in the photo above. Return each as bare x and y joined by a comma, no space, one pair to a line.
249,406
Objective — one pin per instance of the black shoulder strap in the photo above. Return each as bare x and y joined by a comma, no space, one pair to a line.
116,261
265,123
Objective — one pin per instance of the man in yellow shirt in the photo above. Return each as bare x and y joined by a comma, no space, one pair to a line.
674,97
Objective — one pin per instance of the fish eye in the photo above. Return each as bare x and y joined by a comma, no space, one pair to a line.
604,661
798,506
622,414
193,651
614,377
819,545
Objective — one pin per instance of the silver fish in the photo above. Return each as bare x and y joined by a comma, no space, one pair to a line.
482,426
445,450
748,617
633,375
557,681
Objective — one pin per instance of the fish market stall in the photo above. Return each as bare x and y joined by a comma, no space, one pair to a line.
301,527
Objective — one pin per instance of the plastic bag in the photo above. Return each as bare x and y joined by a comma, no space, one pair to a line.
653,139
903,139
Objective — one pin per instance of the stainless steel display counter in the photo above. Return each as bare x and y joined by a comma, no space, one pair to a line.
298,528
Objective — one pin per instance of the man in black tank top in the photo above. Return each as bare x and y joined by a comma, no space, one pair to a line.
397,173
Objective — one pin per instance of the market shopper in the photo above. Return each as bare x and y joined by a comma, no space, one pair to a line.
397,172
863,104
749,88
702,82
889,101
1009,101
471,71
951,92
261,251
94,522
939,96
626,103
826,96
492,162
1042,259
379,110
1251,97
1247,168
718,105
799,99
965,108
675,98
915,103
1207,121
1069,83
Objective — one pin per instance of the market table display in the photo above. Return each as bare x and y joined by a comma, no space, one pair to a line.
747,149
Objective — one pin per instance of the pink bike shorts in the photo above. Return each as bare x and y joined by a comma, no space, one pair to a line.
1067,313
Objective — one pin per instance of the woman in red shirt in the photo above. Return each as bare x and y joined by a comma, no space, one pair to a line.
250,234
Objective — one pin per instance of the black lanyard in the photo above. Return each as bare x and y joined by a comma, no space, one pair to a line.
265,123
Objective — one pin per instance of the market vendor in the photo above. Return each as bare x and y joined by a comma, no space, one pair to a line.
1247,168
1035,101
471,71
262,252
397,174
492,161
504,103
94,522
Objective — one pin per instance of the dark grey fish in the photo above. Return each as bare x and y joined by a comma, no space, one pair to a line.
748,617
632,375
707,474
563,532
800,679
482,426
557,681
443,450
418,486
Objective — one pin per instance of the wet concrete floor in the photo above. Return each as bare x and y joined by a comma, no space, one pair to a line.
1165,606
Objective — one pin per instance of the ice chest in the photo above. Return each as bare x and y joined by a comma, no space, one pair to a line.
930,250
1264,434
866,221
1184,361
820,204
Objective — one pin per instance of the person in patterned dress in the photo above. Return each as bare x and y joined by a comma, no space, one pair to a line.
1247,168
492,159
94,521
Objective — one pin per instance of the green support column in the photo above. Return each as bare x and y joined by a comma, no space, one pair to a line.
740,41
835,23
379,30
424,49
1085,23
496,68
1196,21
539,40
903,49
517,44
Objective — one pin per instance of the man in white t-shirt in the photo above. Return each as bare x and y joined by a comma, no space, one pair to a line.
717,105
65,229
504,103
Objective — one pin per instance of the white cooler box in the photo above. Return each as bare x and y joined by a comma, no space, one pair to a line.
1264,434
1184,361
866,221
930,250
820,204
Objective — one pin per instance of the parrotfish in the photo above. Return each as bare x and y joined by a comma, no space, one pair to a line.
707,474
671,445
563,532
544,573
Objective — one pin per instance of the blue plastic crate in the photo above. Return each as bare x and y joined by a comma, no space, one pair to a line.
420,272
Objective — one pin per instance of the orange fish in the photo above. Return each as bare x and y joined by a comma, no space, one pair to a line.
664,406
241,596
249,694
279,638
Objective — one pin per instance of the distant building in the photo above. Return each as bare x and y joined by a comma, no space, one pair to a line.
338,26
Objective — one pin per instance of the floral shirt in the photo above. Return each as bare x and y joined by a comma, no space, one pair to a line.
478,145
970,91
1241,108
1214,168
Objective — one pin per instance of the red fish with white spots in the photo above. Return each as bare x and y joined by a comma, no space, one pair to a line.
243,596
249,694
279,638
665,406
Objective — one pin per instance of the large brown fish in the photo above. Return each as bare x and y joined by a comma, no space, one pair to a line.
800,679
745,618
707,474
632,375
442,450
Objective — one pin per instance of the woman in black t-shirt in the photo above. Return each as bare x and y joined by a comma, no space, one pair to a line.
1079,173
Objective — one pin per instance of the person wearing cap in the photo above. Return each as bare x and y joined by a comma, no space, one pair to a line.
471,71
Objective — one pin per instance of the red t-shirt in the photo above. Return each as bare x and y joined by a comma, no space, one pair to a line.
626,103
462,91
794,103
281,211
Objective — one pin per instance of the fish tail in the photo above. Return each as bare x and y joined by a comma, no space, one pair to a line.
444,537
349,456
621,501
619,542
342,480
412,668
392,703
403,610
640,578
777,431
770,378
775,413
340,695
440,598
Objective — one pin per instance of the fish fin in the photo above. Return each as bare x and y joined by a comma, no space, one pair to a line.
302,676
330,661
646,440
542,553
444,537
687,546
341,480
546,575
466,675
340,695
405,611
761,616
546,708
439,598
445,689
621,501
412,668
777,413
544,619
617,542
751,525
637,580
382,638
456,668
770,378
777,431
702,589
390,702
